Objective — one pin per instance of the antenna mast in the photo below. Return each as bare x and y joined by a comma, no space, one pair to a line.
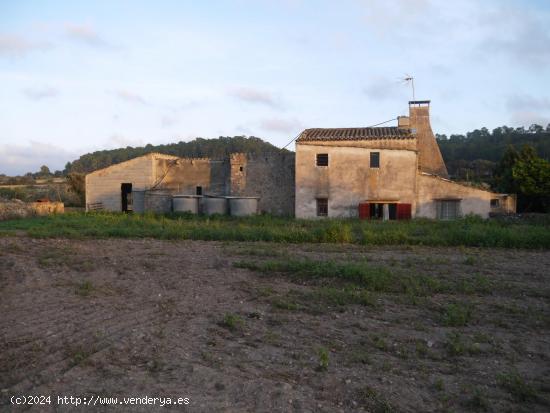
409,78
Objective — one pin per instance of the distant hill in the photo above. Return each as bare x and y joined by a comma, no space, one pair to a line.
474,155
197,148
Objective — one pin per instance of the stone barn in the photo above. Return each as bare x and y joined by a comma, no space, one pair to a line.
384,173
148,183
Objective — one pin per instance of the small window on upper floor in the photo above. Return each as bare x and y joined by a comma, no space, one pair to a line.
495,203
198,190
322,159
375,159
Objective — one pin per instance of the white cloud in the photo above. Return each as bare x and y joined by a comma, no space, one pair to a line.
20,159
519,34
526,110
39,93
17,46
85,34
281,125
527,102
129,96
527,118
252,95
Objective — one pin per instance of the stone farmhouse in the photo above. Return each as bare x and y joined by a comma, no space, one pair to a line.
384,172
371,173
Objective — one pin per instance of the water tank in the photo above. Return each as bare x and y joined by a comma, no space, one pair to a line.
243,206
158,201
214,205
138,201
186,203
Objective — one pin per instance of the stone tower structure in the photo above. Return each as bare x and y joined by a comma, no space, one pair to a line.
429,155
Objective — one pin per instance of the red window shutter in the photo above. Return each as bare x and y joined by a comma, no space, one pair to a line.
403,211
364,210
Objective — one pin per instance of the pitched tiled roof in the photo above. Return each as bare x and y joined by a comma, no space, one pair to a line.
354,134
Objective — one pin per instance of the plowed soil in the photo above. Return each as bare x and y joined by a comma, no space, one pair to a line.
135,318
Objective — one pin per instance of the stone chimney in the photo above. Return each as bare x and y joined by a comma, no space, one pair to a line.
429,155
403,122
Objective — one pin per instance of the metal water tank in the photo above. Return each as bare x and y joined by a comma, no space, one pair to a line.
214,205
186,203
243,206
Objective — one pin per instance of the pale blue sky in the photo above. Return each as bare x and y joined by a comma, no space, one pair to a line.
78,76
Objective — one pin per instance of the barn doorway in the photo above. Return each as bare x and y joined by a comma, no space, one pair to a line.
126,194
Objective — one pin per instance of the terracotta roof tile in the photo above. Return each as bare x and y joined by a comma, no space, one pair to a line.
352,134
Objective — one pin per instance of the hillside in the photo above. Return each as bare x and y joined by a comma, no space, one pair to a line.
197,148
473,156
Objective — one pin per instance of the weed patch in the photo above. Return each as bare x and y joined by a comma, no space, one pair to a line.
516,385
84,289
80,354
374,402
232,322
456,315
322,359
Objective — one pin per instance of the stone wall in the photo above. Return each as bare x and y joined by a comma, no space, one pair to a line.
15,208
183,176
348,179
270,177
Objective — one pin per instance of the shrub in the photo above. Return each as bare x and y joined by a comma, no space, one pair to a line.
457,315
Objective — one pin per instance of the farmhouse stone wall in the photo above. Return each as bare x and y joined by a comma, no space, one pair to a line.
270,177
348,179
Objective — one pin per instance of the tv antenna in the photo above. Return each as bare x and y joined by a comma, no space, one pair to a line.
409,79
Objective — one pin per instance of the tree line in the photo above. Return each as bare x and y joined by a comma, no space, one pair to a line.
198,148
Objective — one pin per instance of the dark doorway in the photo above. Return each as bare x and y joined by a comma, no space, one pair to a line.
126,193
383,211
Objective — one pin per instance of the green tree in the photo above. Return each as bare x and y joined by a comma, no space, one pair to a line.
77,185
527,175
502,175
532,174
44,171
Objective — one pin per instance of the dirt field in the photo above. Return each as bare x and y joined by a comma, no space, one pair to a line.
156,318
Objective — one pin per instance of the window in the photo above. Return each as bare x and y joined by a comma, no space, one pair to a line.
495,203
322,207
448,209
199,190
383,211
240,168
375,159
322,159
